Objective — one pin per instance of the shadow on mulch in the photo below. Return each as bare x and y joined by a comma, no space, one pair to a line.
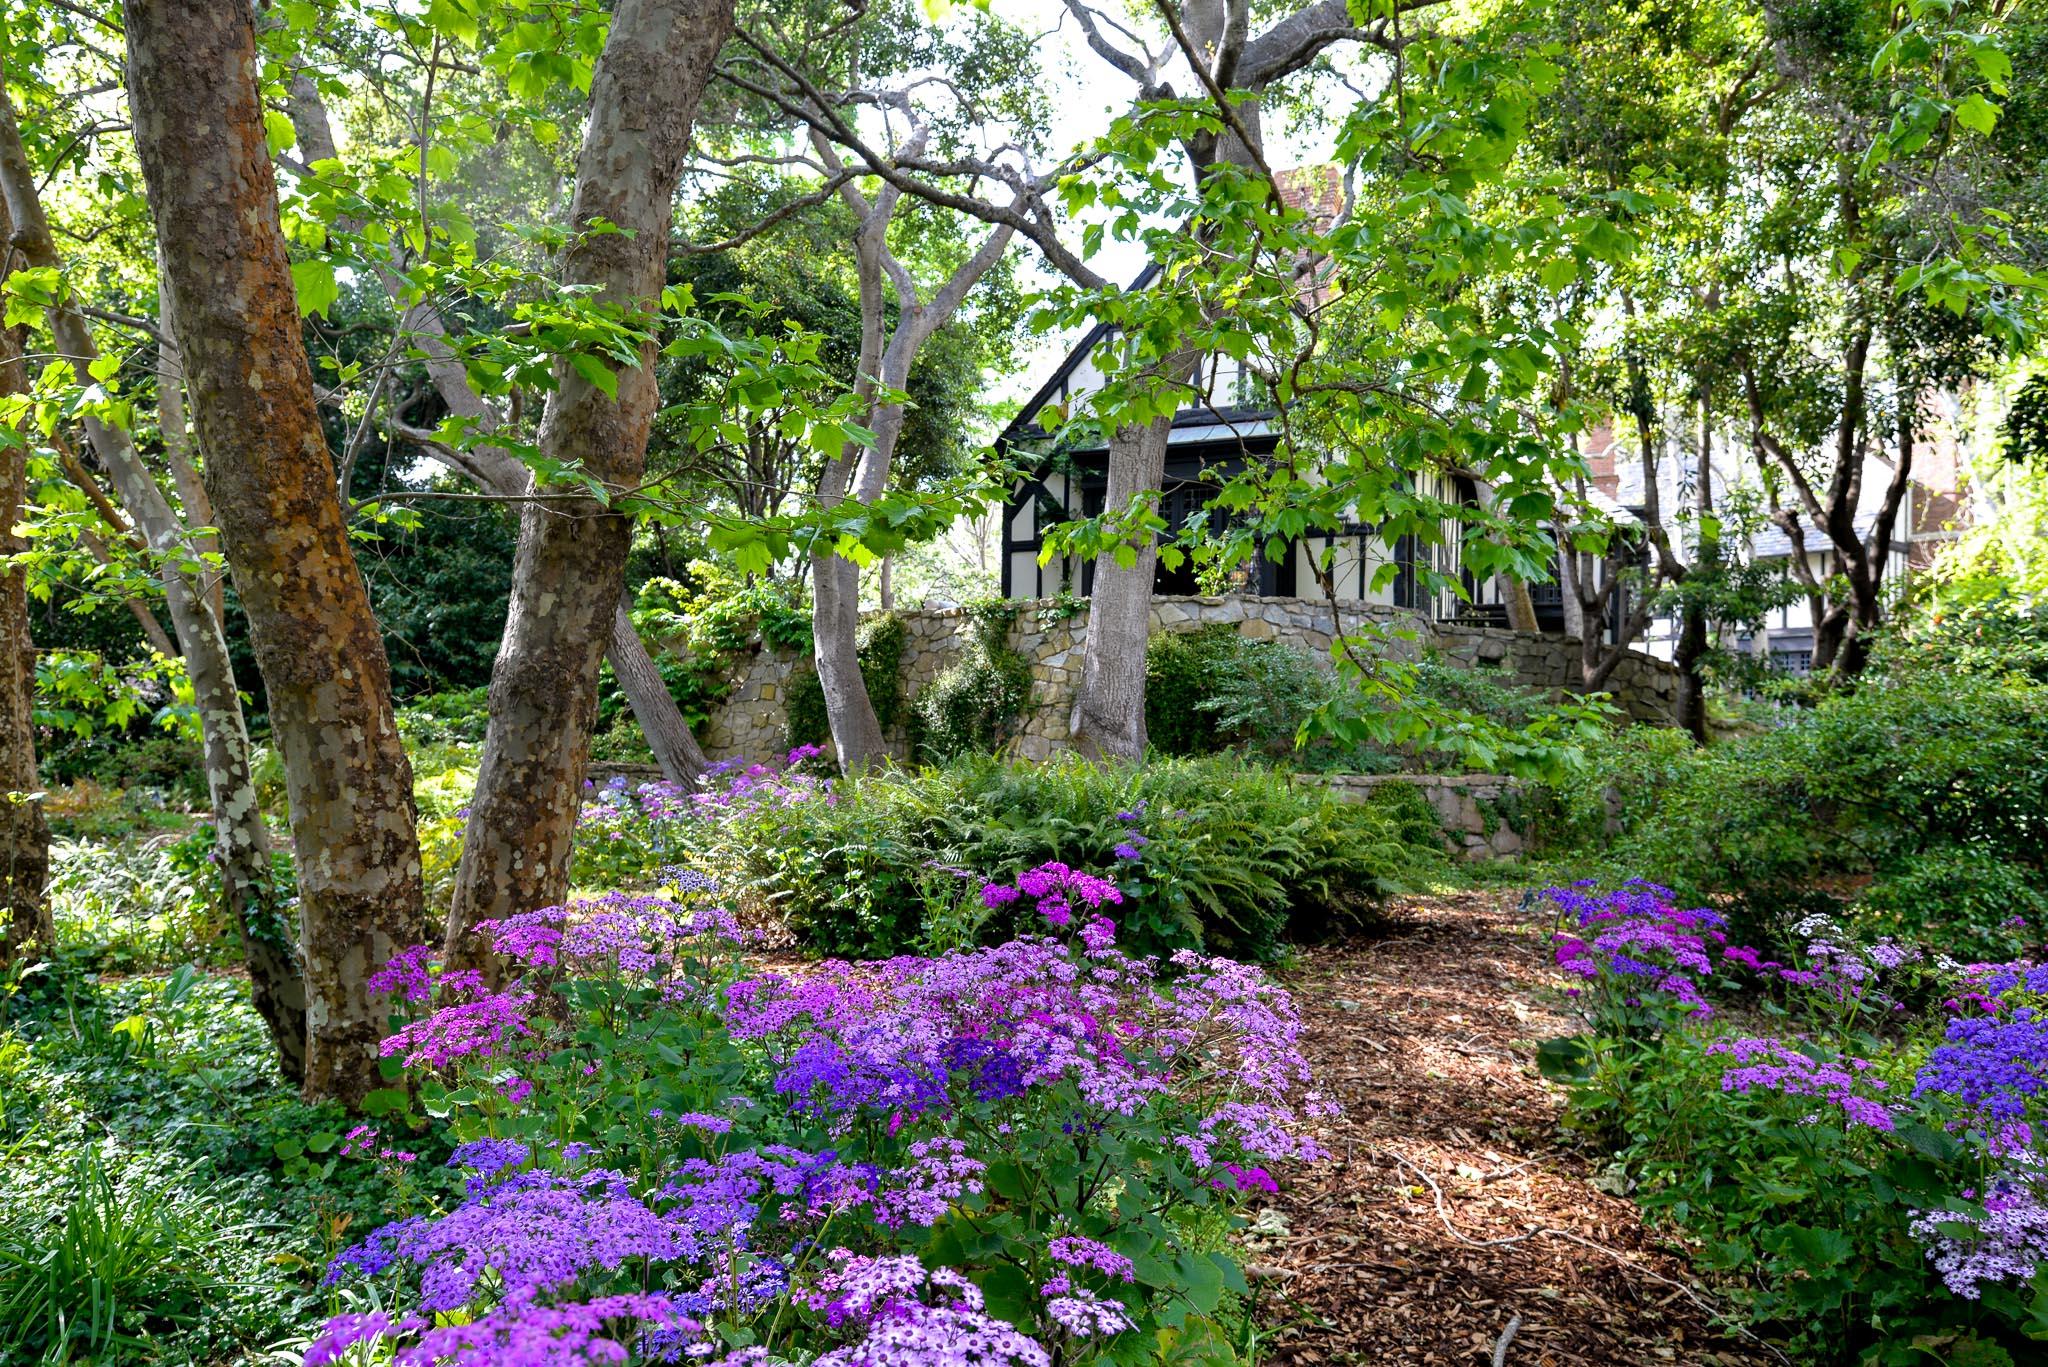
1415,1244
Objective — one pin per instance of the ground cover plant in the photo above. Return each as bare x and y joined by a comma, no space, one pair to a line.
1850,1134
1211,853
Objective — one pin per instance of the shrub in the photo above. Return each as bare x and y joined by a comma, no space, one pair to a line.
1982,907
969,707
1777,825
1212,688
1206,853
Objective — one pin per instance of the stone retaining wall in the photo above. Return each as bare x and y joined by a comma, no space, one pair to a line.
1473,808
750,725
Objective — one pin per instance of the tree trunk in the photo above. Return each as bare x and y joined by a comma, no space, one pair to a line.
569,569
1690,709
241,840
271,479
857,739
25,922
1521,608
668,735
676,750
1109,707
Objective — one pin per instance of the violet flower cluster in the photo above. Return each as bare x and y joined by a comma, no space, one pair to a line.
1780,1066
1634,939
910,1038
2008,1242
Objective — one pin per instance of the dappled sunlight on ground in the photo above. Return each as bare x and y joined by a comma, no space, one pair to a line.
1454,1204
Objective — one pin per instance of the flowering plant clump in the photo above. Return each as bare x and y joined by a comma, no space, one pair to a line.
1021,1154
1875,1154
626,832
1632,943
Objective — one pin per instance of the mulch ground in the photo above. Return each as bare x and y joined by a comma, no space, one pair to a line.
1455,1206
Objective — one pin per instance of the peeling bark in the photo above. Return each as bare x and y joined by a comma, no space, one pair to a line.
569,570
271,479
25,922
241,840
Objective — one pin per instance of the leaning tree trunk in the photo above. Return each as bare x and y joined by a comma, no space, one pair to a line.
24,836
271,479
241,840
668,734
1109,707
570,566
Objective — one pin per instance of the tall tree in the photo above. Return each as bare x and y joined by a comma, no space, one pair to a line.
271,479
569,571
241,840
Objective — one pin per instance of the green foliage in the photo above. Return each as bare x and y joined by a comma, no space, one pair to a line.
439,574
879,646
970,706
134,906
458,718
146,1212
1905,773
1984,908
1236,857
118,1266
1213,688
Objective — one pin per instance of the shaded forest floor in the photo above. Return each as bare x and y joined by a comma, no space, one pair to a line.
1414,1246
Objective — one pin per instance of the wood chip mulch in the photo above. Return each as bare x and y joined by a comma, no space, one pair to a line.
1414,1245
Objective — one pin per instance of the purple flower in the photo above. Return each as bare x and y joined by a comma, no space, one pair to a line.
482,1028
2008,1242
1772,1065
1990,1065
1075,1251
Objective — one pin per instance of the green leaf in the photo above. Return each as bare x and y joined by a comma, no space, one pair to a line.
314,283
278,133
1566,1059
383,1101
597,373
1977,114
1930,1142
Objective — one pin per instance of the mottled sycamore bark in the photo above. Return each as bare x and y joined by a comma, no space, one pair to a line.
24,835
569,570
271,479
1109,706
241,841
668,734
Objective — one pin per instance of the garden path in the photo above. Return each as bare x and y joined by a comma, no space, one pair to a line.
1413,1246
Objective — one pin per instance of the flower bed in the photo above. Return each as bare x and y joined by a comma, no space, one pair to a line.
1854,1136
1029,1153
